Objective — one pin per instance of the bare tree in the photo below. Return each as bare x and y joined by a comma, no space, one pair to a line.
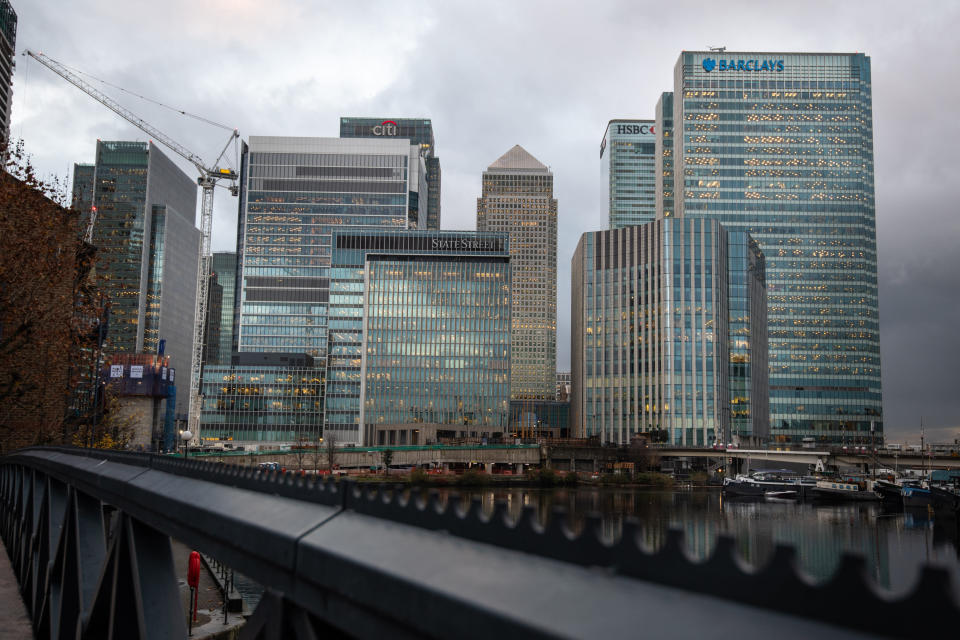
315,444
330,444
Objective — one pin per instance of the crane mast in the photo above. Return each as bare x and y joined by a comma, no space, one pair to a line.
209,178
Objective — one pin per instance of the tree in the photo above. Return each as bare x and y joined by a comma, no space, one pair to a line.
44,268
330,444
387,456
316,441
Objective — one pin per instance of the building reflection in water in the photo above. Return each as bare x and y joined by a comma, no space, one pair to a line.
893,545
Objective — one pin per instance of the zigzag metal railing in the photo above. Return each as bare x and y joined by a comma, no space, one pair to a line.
88,535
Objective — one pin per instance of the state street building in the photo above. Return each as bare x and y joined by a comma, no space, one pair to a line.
780,146
419,337
651,334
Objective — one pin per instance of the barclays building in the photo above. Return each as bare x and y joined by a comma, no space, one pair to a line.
780,146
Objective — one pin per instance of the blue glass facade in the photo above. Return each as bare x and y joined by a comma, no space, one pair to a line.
419,332
249,403
780,145
628,159
664,153
650,333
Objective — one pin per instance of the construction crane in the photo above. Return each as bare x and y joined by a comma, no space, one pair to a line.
210,177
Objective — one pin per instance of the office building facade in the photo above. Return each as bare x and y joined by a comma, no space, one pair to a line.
517,199
420,132
780,146
147,246
627,160
649,333
295,192
663,150
419,335
263,399
223,274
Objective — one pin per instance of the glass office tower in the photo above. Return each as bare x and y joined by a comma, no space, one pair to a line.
420,132
780,145
419,334
294,193
627,160
664,155
224,273
147,246
297,192
517,199
650,333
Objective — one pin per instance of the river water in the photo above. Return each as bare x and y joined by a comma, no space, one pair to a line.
894,544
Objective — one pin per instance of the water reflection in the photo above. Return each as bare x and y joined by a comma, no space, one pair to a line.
893,544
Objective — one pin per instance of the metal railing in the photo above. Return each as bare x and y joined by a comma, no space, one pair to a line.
88,533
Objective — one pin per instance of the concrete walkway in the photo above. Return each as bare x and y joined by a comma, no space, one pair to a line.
16,625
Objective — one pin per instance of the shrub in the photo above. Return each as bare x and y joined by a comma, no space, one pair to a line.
419,476
473,478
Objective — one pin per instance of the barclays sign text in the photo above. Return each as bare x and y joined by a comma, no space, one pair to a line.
709,64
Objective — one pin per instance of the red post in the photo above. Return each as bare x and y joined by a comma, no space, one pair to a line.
193,579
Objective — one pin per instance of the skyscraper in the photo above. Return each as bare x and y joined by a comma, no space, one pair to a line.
297,191
8,49
627,160
148,247
780,145
664,155
294,193
224,273
419,336
517,199
650,332
418,131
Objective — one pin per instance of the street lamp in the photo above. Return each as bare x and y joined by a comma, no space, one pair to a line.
185,436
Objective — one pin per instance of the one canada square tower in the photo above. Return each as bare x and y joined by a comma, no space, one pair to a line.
781,145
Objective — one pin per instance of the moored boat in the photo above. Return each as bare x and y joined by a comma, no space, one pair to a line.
758,483
916,496
833,491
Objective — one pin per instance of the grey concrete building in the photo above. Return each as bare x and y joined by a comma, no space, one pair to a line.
517,198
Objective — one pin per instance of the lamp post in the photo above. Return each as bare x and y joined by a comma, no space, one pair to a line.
185,436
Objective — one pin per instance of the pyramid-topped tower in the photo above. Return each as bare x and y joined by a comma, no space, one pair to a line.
517,198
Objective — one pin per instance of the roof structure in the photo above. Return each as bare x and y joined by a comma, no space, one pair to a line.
518,158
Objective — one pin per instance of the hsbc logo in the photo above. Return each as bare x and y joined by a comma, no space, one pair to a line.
386,128
642,129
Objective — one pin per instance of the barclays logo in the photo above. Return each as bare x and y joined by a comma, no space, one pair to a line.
709,64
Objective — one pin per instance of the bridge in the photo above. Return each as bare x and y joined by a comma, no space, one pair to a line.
566,457
89,533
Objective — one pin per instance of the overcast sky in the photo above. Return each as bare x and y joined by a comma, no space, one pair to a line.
546,75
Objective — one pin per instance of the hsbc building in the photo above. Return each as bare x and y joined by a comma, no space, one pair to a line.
627,157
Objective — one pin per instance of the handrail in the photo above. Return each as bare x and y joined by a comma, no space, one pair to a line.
371,562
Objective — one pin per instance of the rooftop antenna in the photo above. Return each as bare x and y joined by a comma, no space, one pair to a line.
717,49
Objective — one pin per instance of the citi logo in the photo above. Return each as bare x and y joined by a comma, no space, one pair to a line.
709,64
386,128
